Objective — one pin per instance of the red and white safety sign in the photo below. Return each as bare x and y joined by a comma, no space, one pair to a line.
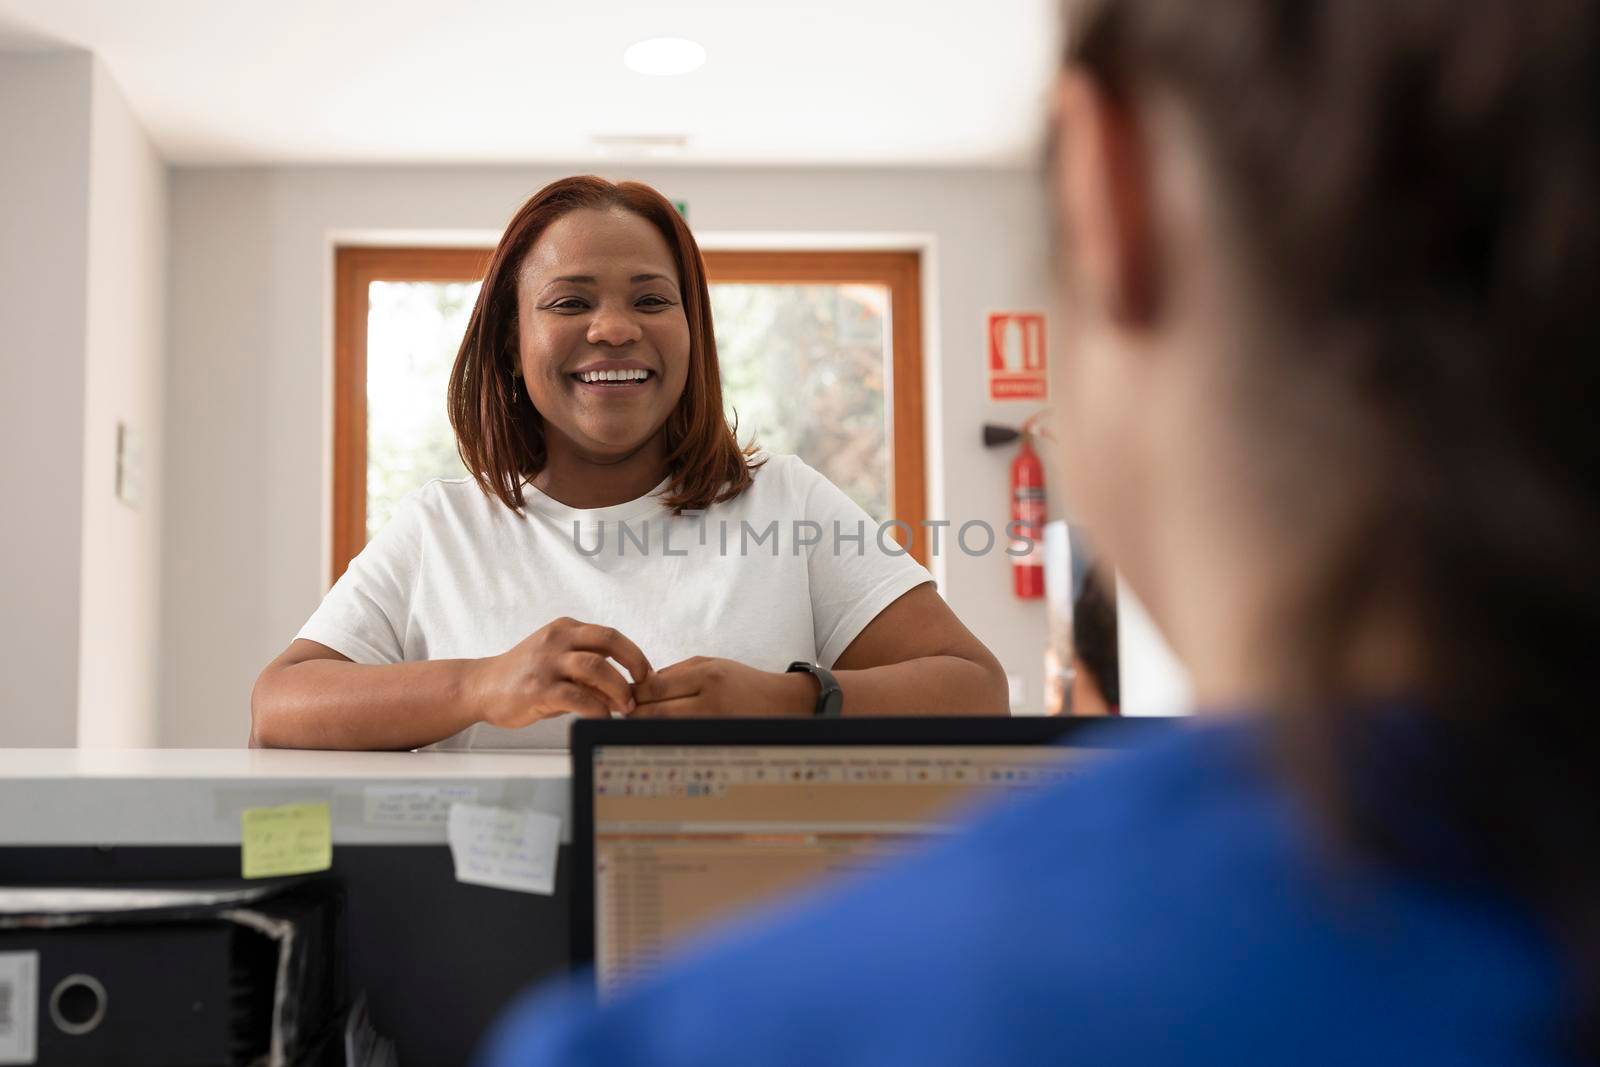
1017,367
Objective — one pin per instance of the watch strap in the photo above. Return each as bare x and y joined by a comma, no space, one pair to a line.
830,698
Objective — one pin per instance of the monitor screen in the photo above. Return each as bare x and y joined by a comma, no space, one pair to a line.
687,836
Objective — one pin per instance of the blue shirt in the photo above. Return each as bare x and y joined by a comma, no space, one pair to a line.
1169,906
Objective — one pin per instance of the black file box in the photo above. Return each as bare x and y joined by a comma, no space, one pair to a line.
169,976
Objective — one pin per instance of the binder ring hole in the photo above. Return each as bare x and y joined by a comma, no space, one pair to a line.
78,1004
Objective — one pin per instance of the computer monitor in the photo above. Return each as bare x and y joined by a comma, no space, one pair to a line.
679,825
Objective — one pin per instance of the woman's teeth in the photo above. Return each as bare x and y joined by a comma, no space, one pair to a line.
613,376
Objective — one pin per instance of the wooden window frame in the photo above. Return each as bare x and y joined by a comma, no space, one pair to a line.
901,273
355,268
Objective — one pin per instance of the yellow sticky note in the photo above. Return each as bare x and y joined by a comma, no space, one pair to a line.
287,839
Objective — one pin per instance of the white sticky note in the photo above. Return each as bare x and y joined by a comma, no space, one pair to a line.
415,805
19,1007
504,848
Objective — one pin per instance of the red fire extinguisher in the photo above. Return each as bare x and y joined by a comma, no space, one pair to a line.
1025,531
1027,520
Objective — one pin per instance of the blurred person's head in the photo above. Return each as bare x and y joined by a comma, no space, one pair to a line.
1095,677
1330,378
591,339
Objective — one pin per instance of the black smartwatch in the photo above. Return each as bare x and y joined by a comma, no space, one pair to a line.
830,700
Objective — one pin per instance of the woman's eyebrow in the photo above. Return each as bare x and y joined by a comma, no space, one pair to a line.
590,279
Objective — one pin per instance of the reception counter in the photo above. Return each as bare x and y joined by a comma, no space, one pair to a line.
437,958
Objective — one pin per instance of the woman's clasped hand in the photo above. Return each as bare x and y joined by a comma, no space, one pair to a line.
574,667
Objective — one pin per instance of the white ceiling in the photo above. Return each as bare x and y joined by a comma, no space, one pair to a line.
857,82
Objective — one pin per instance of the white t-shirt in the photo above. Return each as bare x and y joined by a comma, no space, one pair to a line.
791,569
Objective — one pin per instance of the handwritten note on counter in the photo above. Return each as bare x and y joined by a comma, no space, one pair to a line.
505,848
414,805
287,839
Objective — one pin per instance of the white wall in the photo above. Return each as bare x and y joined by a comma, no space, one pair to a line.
124,361
44,175
247,401
1152,679
82,285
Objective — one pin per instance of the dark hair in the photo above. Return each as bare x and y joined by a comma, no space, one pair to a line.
1417,183
1094,634
502,444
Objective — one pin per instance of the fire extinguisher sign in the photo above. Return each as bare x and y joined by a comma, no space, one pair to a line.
1016,356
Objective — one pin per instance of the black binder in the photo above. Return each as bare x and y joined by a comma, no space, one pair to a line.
182,976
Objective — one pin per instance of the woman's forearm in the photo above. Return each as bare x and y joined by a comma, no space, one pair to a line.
930,685
333,703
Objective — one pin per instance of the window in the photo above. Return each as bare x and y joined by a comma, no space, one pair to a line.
399,315
840,329
841,333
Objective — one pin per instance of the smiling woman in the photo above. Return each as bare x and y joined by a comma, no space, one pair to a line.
586,400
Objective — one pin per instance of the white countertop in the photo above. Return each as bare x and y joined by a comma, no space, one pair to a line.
215,763
102,796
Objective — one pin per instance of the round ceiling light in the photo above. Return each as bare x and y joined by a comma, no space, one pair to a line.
664,56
